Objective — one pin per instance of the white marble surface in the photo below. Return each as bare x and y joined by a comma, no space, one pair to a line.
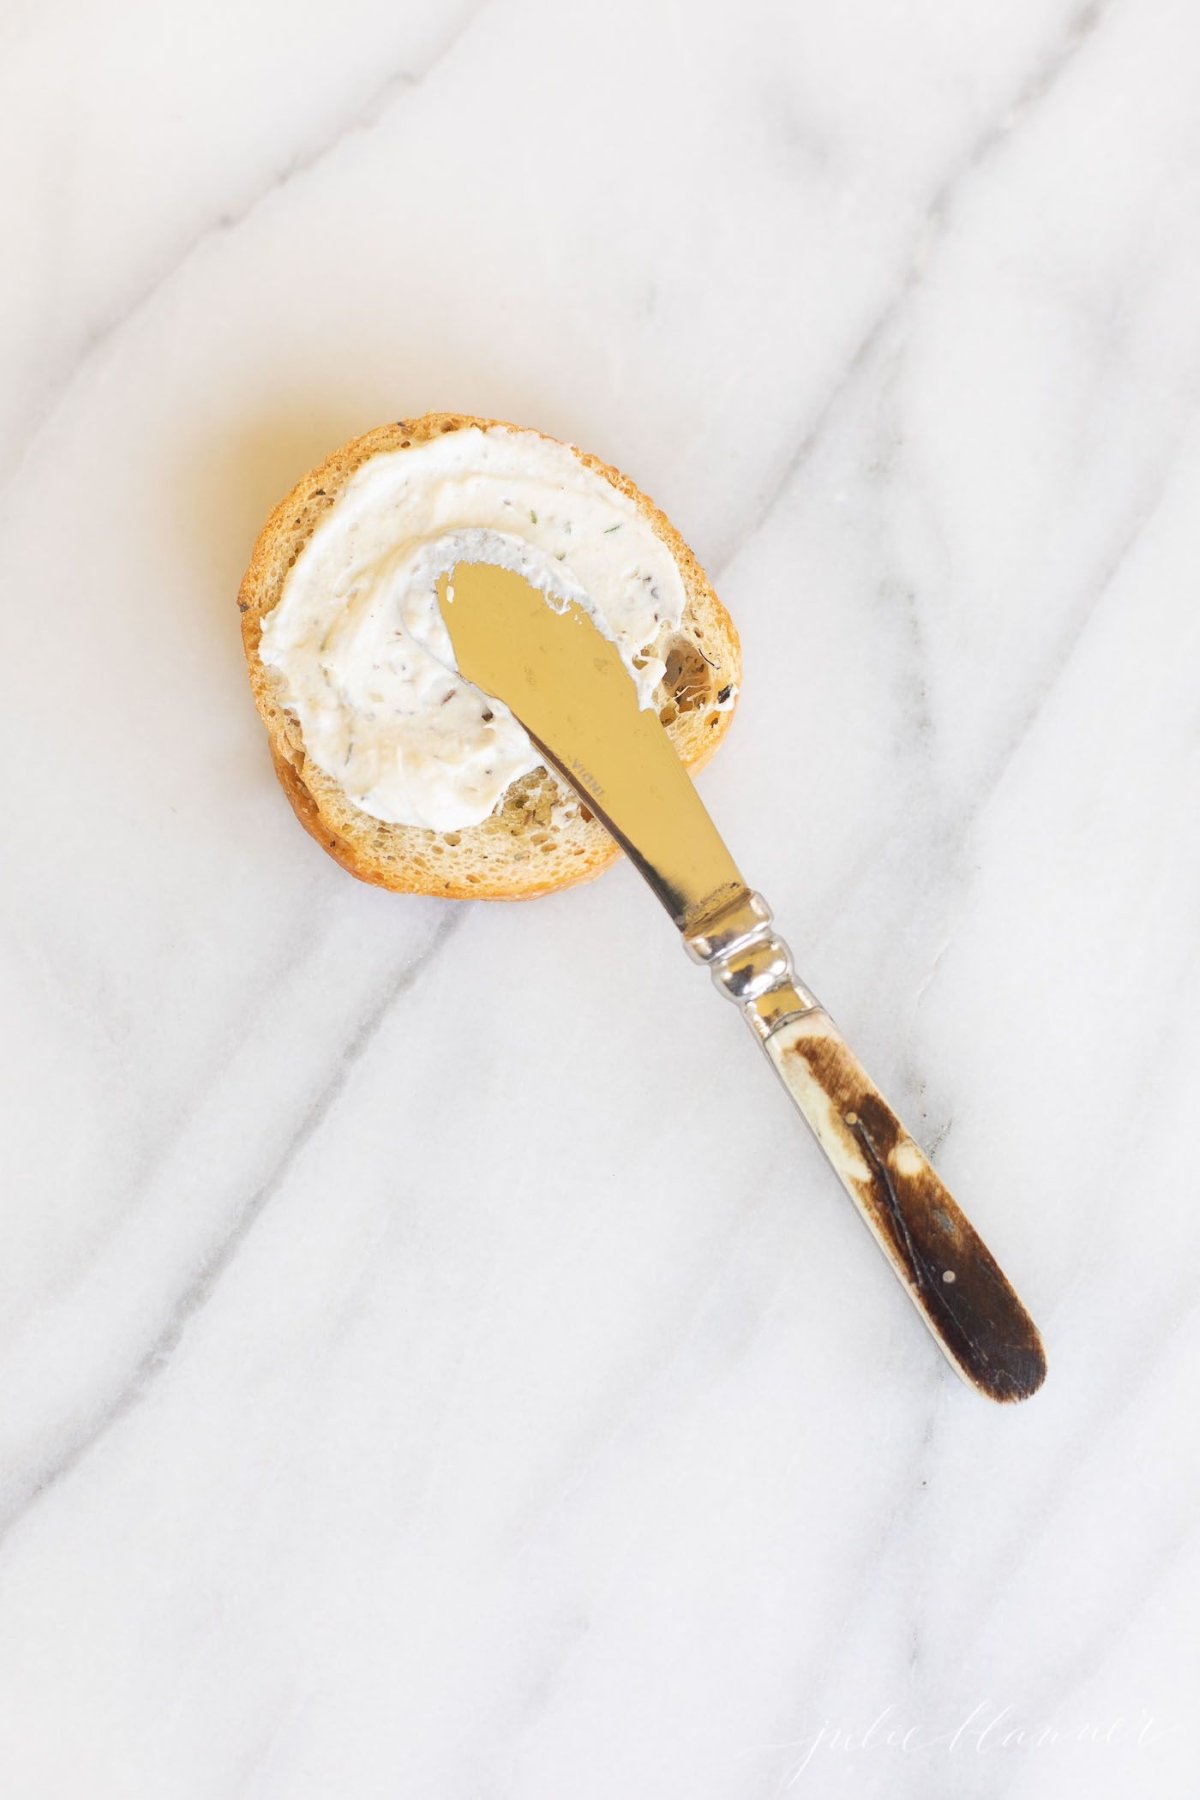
433,1359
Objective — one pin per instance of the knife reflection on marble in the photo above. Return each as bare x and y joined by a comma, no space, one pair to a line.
567,685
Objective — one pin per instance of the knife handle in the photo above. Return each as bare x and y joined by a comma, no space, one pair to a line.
946,1268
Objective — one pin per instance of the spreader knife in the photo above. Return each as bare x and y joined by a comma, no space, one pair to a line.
567,685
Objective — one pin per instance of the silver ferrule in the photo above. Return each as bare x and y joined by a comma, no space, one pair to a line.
750,963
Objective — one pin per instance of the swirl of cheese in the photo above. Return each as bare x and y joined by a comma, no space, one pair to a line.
358,645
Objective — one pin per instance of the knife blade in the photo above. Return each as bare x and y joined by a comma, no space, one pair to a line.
566,683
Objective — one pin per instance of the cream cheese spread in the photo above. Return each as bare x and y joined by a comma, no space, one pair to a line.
360,650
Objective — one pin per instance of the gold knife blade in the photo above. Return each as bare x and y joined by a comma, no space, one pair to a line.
567,685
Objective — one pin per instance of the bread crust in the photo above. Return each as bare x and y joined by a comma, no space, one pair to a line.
532,844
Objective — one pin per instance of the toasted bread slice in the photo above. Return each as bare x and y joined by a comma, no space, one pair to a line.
540,837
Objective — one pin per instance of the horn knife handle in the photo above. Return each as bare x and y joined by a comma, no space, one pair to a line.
947,1270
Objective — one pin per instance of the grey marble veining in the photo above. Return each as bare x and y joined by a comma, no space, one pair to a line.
433,1360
